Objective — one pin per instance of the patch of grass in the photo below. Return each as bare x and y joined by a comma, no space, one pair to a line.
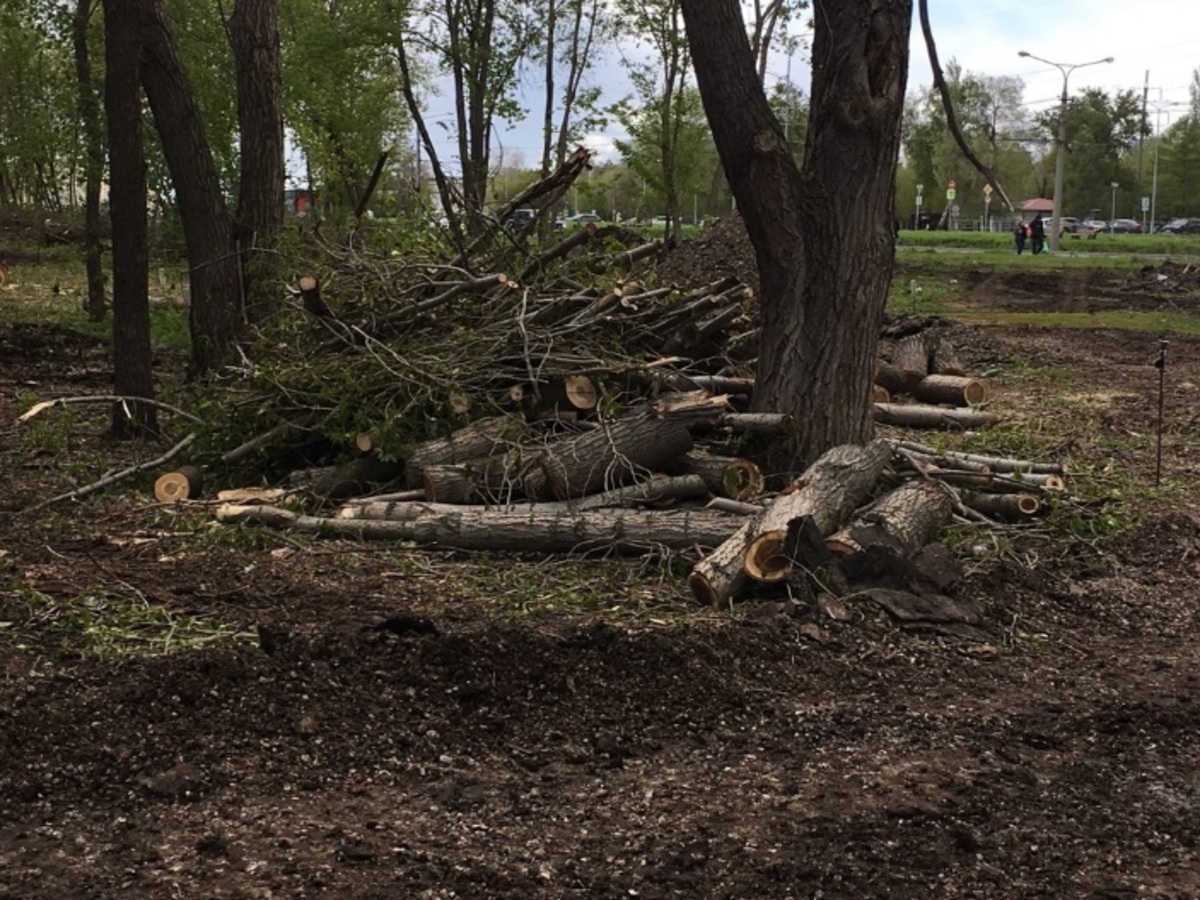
100,622
1120,319
1070,246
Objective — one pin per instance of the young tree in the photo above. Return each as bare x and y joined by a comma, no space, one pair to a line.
659,77
822,232
132,375
254,33
93,165
213,263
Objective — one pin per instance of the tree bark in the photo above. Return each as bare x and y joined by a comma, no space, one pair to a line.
254,35
911,516
93,133
955,390
132,374
823,235
481,438
915,415
521,529
827,492
214,270
607,457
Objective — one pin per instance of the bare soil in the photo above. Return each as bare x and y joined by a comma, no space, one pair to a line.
327,719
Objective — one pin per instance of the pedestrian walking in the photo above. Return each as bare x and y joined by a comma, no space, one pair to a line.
1019,236
1037,234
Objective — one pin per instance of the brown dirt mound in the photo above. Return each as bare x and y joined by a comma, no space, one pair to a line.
722,249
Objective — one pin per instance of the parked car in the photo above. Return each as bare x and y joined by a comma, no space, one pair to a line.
577,219
1067,224
1093,226
1125,226
1182,226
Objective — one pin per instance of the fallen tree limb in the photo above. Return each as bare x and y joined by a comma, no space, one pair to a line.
912,415
521,529
993,463
280,431
44,405
115,477
656,489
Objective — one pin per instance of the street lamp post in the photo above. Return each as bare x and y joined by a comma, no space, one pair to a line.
1112,217
1061,143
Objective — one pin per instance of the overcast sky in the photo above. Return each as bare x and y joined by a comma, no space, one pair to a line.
1158,37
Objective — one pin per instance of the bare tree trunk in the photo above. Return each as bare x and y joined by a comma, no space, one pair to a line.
93,131
215,273
132,375
254,34
823,235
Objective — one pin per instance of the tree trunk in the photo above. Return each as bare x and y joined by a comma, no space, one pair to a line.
93,132
254,35
521,529
827,493
911,516
823,236
215,274
132,374
482,438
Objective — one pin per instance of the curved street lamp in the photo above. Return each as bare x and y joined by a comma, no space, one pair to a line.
1061,142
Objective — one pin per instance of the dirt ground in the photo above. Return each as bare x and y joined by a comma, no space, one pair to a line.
348,721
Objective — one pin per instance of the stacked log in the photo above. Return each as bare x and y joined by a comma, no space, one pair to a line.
925,385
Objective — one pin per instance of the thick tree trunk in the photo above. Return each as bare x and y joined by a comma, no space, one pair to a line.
93,133
827,493
482,438
132,375
823,237
254,34
215,273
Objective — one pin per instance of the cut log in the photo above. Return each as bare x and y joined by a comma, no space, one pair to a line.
828,491
310,297
1010,507
570,392
481,438
720,577
911,516
576,465
915,415
944,360
911,354
895,380
521,529
726,476
477,481
185,483
956,390
880,394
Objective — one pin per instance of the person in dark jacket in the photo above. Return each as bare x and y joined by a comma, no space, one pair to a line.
1019,236
1037,234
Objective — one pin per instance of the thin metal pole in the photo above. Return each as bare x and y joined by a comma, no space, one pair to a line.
1161,364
